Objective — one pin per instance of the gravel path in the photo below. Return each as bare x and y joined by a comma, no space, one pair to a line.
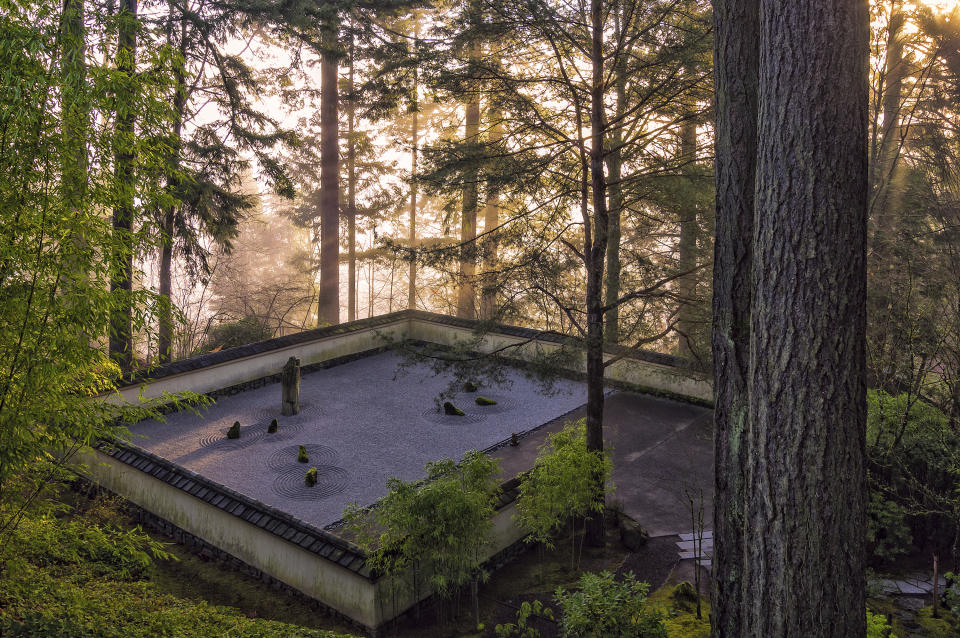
364,423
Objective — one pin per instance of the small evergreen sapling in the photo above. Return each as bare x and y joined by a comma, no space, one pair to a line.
234,431
311,478
484,401
272,428
451,410
302,455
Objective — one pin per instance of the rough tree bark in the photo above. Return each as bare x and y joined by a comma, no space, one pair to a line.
805,477
121,276
737,58
328,306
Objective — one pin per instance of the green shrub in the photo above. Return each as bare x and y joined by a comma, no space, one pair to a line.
272,428
234,431
606,607
522,628
914,472
952,594
311,477
451,410
302,455
887,530
484,401
562,486
877,626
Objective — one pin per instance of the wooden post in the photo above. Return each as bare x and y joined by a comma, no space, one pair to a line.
936,586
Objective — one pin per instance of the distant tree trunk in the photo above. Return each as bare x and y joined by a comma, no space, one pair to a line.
805,473
491,219
165,331
687,248
884,170
121,276
328,307
615,196
595,533
412,237
466,295
737,59
351,197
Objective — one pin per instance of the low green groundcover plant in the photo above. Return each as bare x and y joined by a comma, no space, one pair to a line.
74,578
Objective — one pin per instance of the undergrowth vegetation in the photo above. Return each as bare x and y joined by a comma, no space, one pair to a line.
71,575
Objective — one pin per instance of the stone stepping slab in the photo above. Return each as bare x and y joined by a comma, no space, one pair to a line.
689,536
910,586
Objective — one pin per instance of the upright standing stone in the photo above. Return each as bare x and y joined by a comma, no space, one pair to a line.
290,380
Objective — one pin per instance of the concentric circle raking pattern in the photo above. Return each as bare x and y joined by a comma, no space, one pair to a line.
435,416
331,480
286,457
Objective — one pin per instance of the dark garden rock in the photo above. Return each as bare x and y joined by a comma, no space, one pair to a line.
470,386
484,401
311,478
272,428
451,410
302,455
234,431
632,535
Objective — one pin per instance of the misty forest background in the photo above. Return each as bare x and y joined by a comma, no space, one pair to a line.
183,176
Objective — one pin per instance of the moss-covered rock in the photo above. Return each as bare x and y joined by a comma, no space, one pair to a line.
451,410
272,428
470,386
684,595
302,455
311,478
234,431
484,401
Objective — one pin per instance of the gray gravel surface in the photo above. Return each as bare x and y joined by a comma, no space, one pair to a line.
365,421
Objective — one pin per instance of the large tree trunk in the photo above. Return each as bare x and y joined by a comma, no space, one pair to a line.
351,198
121,276
466,295
595,262
737,58
328,307
805,476
687,247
